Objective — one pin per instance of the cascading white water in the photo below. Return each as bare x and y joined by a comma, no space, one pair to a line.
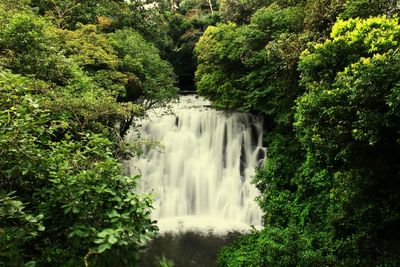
202,179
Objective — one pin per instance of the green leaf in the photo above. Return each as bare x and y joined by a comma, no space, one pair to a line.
105,232
30,264
113,213
99,241
112,239
67,209
75,209
103,247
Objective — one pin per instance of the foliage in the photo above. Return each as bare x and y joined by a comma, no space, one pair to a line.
328,88
141,58
92,206
367,8
237,11
330,187
273,247
218,83
65,199
320,16
30,47
347,122
68,13
185,32
88,48
246,66
10,7
108,15
164,262
17,228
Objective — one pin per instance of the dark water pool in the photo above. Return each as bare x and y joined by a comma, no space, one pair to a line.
188,249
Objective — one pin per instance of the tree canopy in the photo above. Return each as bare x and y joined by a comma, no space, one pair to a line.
324,74
71,83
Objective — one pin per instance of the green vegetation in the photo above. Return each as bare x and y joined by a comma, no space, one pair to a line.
71,83
325,75
185,27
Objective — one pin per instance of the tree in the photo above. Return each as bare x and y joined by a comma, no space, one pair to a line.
348,121
64,198
30,47
250,67
142,59
330,186
238,11
367,8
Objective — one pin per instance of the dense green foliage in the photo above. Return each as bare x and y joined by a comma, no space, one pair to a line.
185,26
325,76
71,83
354,139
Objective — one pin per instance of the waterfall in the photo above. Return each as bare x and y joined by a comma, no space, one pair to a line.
202,176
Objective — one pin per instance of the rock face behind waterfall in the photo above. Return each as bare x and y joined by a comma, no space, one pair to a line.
202,179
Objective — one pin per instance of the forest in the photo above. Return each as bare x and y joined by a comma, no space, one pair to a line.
76,74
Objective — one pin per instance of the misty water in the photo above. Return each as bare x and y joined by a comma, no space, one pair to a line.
201,178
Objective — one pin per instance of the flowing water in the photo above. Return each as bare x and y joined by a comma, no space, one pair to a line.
202,177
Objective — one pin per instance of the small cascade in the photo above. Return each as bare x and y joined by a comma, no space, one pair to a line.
202,178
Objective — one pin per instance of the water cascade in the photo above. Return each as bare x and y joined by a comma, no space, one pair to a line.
202,177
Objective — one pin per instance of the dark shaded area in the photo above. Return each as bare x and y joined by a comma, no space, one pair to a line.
254,135
187,92
224,145
186,249
260,154
242,160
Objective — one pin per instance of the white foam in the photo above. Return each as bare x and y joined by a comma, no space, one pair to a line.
203,225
